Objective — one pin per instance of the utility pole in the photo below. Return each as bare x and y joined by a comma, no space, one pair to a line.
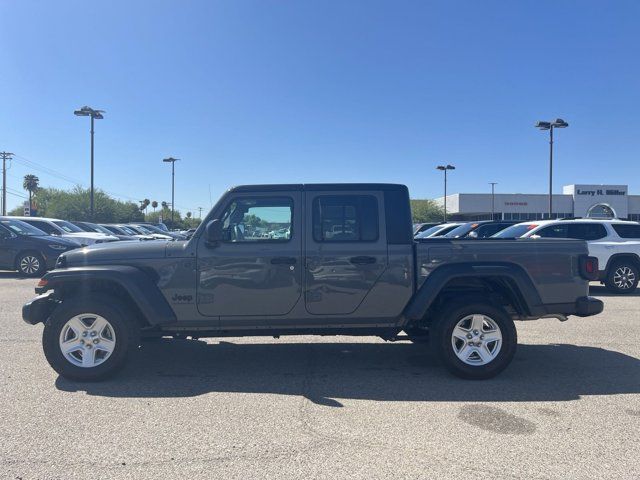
5,156
493,203
200,213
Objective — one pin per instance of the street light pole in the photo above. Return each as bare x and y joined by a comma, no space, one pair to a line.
173,184
94,114
444,168
493,203
91,194
542,125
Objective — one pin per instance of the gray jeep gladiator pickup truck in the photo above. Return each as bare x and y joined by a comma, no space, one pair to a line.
333,259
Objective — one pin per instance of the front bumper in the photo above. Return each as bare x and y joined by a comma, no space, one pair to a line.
38,309
587,306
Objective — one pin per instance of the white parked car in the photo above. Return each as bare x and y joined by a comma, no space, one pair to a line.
615,243
64,229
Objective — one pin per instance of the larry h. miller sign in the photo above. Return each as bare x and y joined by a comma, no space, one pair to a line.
589,197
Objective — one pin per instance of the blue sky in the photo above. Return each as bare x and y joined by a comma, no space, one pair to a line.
320,91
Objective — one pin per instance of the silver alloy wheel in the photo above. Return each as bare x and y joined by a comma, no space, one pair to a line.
624,278
476,339
29,264
87,340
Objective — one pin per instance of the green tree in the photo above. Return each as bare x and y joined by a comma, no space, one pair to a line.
74,205
423,211
31,184
154,205
16,212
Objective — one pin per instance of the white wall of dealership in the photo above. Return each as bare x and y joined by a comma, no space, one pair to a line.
575,200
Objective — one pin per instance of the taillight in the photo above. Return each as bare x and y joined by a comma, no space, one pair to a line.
589,267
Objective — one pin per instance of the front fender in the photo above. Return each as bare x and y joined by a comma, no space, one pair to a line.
139,286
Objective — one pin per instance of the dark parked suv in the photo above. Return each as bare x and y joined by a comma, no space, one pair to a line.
28,249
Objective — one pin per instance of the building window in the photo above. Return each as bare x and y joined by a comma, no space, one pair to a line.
601,210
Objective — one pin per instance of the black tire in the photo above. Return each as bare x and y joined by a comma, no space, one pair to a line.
31,264
622,277
441,339
120,320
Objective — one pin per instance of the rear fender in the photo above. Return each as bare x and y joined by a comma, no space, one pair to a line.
517,279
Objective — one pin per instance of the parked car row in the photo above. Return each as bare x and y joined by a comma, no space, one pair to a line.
479,229
31,245
615,243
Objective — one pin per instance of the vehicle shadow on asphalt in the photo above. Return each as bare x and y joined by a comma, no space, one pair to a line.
326,372
15,276
601,291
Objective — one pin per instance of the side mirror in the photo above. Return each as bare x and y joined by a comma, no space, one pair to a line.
213,232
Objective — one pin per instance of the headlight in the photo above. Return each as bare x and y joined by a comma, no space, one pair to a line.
54,246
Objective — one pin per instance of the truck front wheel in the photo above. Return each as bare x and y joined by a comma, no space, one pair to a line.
88,338
474,341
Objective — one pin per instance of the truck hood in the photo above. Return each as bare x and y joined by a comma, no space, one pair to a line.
116,252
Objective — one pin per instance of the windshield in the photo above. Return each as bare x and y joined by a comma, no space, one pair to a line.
444,231
98,228
131,230
153,229
22,228
515,231
143,229
429,231
67,227
462,230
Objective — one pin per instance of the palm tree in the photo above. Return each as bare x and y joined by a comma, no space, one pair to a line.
154,204
165,205
144,204
31,184
188,214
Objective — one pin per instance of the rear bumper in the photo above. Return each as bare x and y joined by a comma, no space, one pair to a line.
38,309
587,306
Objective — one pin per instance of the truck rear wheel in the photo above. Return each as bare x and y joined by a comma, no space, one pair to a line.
474,341
622,277
88,338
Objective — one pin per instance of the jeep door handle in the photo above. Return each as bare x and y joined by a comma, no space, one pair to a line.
283,261
362,260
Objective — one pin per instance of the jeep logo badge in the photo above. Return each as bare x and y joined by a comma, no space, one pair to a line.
182,298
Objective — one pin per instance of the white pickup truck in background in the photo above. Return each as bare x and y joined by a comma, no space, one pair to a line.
615,243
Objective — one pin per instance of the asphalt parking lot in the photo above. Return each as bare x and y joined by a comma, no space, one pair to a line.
307,407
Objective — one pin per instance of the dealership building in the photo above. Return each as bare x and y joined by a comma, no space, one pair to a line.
594,201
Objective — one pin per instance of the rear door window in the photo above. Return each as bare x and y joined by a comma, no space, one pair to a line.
553,231
626,230
485,231
586,231
345,218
